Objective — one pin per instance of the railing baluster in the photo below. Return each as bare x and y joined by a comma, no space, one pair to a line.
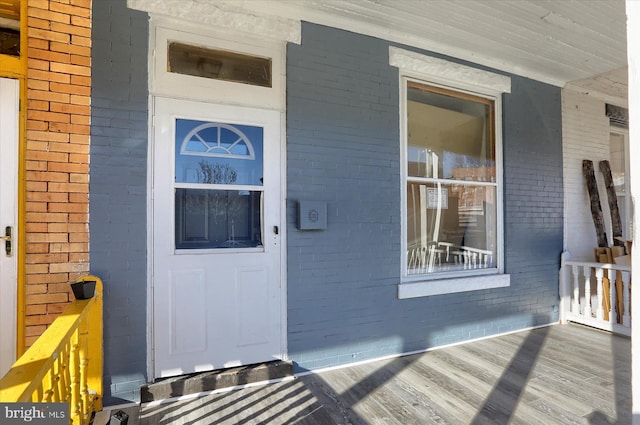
575,306
626,317
586,271
599,310
84,345
613,315
599,290
75,405
66,373
55,378
47,386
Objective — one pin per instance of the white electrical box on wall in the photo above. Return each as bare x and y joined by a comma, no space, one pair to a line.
312,215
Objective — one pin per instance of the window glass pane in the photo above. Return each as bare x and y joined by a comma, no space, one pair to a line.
450,227
617,161
623,214
10,28
218,219
449,137
9,42
218,153
219,65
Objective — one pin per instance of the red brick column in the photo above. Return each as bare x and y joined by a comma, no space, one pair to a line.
57,156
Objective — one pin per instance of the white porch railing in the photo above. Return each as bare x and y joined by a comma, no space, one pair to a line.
595,294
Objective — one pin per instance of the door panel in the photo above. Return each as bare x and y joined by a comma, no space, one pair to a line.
188,311
9,113
216,197
252,299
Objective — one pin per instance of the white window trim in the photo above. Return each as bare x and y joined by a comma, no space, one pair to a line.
464,79
451,286
627,226
455,75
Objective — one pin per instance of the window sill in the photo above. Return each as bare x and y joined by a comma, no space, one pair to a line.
450,286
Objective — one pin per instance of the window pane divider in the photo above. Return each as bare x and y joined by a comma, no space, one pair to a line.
218,186
450,181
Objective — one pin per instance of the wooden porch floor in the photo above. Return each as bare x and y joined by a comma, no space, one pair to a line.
564,374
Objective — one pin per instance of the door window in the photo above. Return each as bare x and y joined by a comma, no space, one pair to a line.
218,185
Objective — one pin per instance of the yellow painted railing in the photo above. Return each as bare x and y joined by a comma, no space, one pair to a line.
65,362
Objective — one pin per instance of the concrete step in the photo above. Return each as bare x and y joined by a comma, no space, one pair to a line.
216,379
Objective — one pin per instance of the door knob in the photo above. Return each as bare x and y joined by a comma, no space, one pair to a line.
8,246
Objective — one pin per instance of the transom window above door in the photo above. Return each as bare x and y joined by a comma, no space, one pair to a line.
218,64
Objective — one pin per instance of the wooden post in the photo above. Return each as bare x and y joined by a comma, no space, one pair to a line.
633,60
616,223
95,348
594,196
565,286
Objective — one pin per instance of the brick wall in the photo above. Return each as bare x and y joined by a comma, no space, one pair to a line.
119,190
57,155
585,130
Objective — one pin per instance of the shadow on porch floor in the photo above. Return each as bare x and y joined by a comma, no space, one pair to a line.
554,375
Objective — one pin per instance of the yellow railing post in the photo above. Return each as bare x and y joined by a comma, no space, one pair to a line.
95,341
65,362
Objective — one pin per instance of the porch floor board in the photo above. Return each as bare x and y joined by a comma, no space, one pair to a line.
564,374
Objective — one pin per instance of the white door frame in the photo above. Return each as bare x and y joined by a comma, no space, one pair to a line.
165,84
215,307
9,141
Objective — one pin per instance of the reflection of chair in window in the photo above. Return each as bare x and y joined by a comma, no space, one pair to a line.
469,258
422,259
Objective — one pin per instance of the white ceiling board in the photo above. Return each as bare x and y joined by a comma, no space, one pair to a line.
610,86
548,40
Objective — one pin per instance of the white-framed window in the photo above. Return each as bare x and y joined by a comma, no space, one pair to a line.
619,162
451,182
451,168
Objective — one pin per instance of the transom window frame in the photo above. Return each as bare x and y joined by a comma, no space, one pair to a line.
170,84
462,79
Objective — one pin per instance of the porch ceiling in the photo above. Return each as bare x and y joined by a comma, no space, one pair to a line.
548,40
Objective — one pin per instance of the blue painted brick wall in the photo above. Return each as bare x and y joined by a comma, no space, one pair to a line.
118,181
343,148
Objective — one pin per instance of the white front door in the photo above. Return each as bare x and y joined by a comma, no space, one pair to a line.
9,101
217,298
